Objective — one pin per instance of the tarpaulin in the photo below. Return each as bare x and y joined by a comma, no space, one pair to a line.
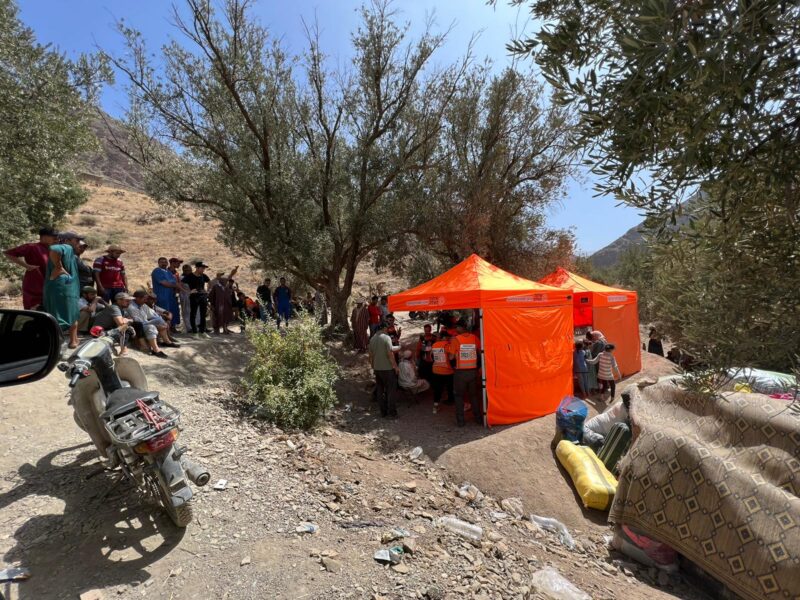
528,354
475,283
608,309
527,334
620,325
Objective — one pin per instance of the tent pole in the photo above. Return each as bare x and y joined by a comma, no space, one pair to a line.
483,372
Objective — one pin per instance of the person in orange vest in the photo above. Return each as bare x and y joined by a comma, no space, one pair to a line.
442,371
464,352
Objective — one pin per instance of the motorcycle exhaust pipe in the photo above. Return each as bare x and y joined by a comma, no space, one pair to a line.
197,474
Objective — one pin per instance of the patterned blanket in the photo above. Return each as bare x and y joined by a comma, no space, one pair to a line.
718,479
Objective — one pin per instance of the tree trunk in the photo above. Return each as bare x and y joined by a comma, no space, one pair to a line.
339,316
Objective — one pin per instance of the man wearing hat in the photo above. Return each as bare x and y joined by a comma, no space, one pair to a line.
62,286
109,273
89,305
33,258
198,297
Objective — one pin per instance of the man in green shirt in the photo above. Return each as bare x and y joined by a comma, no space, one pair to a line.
381,358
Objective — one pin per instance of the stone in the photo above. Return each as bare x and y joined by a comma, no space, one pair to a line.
410,545
92,595
434,593
176,572
410,486
493,536
245,561
331,564
501,550
401,568
513,506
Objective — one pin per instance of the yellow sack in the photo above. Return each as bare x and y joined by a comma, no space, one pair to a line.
742,387
595,484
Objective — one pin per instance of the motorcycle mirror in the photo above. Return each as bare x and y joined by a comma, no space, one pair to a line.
30,344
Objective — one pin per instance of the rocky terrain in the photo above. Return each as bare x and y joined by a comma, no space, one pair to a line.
354,484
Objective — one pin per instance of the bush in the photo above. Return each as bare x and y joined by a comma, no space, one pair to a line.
290,377
87,221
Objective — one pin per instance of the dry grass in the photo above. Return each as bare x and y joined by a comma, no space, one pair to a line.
147,231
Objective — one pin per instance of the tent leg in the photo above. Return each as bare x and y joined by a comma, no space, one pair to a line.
483,372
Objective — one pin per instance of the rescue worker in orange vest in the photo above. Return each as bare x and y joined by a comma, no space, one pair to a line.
464,354
442,371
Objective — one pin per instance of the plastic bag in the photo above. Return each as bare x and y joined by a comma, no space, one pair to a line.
552,584
570,415
595,484
557,527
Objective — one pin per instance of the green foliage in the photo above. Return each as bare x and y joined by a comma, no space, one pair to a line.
45,104
312,169
291,375
680,100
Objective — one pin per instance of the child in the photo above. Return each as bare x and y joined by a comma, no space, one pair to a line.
581,369
607,365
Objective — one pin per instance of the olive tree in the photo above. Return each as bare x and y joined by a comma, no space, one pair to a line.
307,168
45,109
676,98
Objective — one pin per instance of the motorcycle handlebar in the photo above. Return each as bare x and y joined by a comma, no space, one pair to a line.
74,379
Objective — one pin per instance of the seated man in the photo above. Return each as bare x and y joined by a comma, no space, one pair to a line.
408,375
161,318
116,315
150,326
89,304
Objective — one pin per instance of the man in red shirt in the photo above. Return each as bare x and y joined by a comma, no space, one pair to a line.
374,315
109,273
33,258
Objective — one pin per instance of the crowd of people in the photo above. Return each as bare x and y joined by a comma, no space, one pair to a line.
445,361
594,366
180,298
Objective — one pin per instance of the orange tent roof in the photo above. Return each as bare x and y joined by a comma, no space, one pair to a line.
561,278
475,283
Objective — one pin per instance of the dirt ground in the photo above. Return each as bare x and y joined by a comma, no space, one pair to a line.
77,531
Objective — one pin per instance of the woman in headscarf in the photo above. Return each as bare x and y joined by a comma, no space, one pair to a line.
598,345
62,286
359,321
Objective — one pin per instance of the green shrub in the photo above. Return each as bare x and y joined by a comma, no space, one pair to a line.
290,376
87,221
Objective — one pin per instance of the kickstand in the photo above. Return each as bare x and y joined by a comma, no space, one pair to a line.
120,478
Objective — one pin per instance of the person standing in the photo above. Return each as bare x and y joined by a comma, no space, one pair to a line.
85,272
384,307
654,344
186,313
359,321
606,370
422,353
384,366
283,302
374,315
198,297
62,285
33,258
220,301
442,370
165,287
598,345
109,273
264,297
580,370
463,350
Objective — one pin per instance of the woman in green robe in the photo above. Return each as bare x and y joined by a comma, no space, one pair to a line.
62,285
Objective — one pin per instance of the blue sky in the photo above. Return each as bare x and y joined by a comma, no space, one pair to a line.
76,26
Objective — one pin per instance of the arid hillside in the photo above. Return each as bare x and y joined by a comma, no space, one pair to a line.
147,230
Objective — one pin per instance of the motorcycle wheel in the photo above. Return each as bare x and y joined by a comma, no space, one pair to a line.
180,516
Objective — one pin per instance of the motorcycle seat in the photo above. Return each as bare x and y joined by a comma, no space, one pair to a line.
124,400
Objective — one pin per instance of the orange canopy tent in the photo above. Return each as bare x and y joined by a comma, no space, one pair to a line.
526,335
611,310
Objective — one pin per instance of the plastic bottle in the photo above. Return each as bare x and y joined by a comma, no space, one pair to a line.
556,527
552,584
462,528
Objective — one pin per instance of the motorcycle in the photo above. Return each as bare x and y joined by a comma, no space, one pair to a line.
133,429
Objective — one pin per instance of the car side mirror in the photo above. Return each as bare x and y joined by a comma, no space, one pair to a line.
30,346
